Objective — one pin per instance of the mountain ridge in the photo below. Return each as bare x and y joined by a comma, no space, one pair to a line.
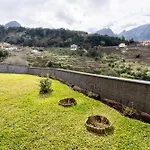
139,33
12,24
105,31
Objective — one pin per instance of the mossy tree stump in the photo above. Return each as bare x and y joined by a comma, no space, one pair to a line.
98,124
67,102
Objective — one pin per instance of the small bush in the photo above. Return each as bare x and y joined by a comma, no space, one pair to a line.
148,75
45,86
129,111
125,75
51,64
97,58
109,72
3,53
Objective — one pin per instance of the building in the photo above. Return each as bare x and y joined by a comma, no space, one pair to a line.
139,45
122,45
74,47
4,45
35,52
146,43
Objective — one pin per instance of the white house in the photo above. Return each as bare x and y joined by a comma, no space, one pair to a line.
35,52
122,45
146,43
11,48
74,47
4,45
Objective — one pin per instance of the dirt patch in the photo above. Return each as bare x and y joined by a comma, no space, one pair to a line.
67,102
98,124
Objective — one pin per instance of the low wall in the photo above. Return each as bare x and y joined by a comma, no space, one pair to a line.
13,69
125,91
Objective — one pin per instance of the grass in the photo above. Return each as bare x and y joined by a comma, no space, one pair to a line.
31,121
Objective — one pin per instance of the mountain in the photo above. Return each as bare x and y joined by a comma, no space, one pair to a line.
106,31
12,24
140,33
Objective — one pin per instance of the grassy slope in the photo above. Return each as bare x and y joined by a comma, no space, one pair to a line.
30,121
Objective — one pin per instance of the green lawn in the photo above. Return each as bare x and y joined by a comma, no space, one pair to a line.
31,121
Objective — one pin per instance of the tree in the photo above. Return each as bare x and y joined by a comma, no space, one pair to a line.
131,41
55,37
102,43
123,38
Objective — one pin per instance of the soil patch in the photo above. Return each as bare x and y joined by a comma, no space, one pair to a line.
67,102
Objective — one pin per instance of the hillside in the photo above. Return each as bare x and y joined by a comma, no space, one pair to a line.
132,63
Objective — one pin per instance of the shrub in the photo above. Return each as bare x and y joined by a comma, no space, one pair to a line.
97,58
109,72
45,86
51,64
141,74
129,111
148,74
3,54
125,75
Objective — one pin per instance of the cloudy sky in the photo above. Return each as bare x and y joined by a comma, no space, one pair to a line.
87,15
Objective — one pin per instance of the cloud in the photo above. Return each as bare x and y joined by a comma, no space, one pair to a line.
77,14
62,16
129,25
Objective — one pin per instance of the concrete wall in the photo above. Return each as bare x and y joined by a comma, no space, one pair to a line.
13,69
41,71
125,91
